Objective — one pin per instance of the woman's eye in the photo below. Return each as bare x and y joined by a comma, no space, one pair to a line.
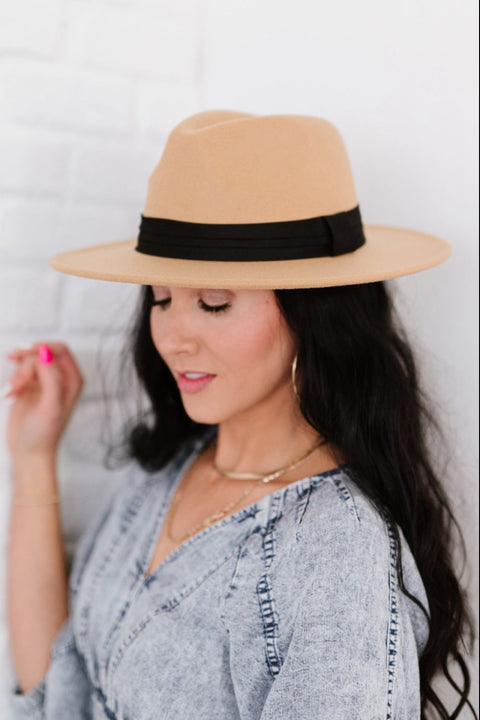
204,306
213,308
161,303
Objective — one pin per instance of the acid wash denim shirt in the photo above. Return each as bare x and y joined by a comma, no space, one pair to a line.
288,608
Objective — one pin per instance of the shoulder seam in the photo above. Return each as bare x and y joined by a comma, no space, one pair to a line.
344,493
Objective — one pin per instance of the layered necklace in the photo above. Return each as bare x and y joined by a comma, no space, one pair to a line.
258,479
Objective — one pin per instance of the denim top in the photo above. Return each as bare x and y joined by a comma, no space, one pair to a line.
289,608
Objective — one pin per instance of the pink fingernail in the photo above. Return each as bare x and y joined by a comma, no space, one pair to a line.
45,354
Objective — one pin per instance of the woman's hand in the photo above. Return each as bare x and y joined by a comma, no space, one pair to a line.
44,397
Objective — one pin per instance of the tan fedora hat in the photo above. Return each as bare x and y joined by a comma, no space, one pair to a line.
239,200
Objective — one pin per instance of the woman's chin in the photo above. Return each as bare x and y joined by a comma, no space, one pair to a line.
202,414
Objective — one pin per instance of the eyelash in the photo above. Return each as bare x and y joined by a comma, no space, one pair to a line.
204,306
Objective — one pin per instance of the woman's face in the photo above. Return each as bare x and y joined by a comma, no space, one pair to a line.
246,345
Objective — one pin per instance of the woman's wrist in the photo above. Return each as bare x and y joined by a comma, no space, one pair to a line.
34,475
35,500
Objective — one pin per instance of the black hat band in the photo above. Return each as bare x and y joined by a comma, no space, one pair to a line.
326,235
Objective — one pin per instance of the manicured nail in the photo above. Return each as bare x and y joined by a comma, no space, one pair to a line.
45,354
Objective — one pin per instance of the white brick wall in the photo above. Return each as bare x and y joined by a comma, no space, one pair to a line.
133,40
54,96
88,93
31,27
33,161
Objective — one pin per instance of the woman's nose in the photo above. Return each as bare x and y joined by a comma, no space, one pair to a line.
178,333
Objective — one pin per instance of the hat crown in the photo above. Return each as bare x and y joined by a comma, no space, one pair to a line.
223,166
248,201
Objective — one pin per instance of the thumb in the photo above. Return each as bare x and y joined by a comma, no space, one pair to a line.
49,375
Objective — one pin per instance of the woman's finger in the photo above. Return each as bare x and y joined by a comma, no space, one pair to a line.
62,356
63,384
52,380
72,377
22,377
56,347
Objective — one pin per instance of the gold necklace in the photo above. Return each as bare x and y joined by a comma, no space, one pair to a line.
264,478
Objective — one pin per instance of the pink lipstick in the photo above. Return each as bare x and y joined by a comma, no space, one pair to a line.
193,385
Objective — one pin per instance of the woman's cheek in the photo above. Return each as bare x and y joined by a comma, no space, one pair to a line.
246,343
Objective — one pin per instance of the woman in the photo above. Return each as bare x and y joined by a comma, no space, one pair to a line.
281,547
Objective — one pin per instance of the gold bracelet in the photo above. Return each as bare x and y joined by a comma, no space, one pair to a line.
39,500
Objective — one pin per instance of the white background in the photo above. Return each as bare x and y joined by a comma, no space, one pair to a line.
88,94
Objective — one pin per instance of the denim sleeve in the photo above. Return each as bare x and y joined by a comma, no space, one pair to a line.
352,650
64,691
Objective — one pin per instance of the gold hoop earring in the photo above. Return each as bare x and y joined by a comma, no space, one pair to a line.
294,369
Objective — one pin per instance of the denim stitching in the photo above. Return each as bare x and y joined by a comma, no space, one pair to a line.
137,630
268,611
115,625
109,713
167,606
172,602
345,495
231,587
126,518
301,508
68,647
84,612
244,514
393,620
270,624
76,573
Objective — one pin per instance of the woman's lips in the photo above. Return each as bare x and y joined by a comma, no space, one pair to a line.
193,386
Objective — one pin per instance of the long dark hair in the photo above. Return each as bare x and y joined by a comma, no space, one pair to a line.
359,387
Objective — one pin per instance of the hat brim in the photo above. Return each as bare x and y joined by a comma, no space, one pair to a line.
389,252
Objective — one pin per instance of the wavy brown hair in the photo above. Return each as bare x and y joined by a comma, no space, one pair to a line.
359,387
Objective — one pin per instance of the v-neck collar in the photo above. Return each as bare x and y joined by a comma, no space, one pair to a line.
192,562
207,554
161,513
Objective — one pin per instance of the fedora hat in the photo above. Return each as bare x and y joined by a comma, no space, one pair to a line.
239,200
